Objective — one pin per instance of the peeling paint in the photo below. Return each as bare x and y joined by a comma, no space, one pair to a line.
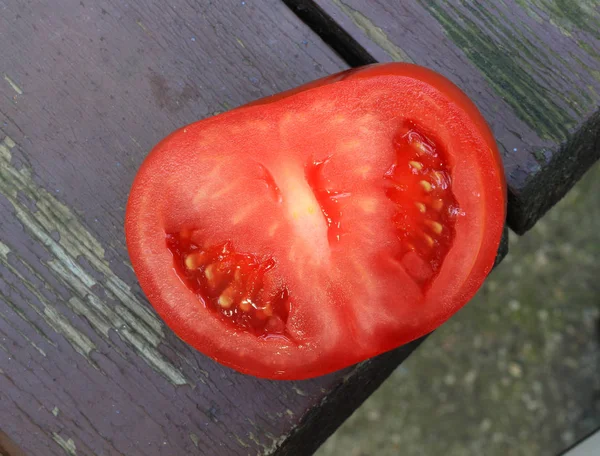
130,318
298,391
33,344
13,85
276,442
194,438
79,341
143,27
240,441
375,34
252,437
67,445
4,250
60,324
21,333
8,142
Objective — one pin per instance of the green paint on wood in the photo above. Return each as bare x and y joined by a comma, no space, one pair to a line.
34,345
534,53
17,310
194,438
589,49
79,341
375,34
4,251
276,443
13,85
253,438
130,318
573,14
568,16
298,391
68,445
510,76
240,441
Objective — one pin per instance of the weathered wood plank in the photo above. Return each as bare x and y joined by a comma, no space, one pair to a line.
531,66
86,367
86,89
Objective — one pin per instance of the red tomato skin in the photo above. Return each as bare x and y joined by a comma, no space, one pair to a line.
278,358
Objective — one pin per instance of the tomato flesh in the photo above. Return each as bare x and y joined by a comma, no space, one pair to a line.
330,201
316,228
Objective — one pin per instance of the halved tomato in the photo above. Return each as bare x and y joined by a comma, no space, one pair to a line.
322,226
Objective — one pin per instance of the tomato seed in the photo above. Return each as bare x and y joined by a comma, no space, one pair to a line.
195,259
437,205
209,272
225,301
189,262
435,226
425,185
429,240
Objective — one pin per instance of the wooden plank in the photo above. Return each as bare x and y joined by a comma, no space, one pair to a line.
86,367
531,66
86,89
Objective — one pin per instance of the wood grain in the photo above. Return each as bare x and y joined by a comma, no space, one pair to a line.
86,367
531,66
86,89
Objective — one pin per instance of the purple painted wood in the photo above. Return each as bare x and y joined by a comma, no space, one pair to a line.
86,367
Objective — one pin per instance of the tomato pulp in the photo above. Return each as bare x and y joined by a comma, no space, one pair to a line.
313,229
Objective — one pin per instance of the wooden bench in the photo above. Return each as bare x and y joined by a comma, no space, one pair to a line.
87,88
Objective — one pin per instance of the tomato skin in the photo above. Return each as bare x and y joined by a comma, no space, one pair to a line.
151,215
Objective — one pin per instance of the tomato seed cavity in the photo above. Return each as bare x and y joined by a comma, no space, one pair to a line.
419,185
232,284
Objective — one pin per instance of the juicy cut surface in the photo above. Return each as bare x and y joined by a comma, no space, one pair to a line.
363,215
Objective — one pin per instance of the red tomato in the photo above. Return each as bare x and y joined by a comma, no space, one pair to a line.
319,227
